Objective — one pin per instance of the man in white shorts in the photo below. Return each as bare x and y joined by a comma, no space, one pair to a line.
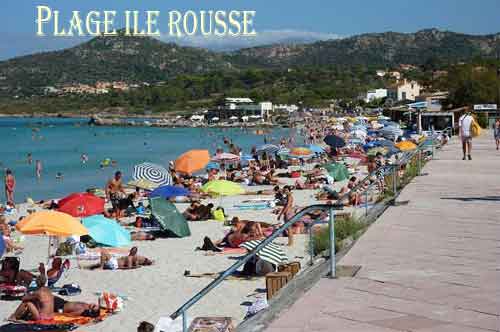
465,123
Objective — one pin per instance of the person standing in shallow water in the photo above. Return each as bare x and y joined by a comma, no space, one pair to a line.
10,186
38,169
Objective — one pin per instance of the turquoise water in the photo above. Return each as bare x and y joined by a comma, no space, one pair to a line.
59,143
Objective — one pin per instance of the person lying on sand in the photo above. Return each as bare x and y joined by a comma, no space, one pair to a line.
42,304
142,236
11,274
132,261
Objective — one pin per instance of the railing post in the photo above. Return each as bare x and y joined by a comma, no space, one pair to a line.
331,224
184,322
311,245
419,162
366,201
394,180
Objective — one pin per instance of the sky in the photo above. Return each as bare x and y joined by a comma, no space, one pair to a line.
275,20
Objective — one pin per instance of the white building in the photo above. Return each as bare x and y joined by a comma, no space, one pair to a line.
405,90
285,108
375,94
241,108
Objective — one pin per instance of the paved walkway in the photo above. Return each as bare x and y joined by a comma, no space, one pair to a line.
433,265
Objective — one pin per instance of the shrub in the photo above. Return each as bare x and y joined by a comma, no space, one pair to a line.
344,228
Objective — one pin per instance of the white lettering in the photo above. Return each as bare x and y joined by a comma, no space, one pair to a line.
42,18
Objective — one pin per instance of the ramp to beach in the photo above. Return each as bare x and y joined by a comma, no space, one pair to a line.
431,265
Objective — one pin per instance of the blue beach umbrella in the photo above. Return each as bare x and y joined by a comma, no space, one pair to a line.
169,192
106,231
2,246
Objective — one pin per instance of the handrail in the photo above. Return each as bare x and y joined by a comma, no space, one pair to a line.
198,296
250,255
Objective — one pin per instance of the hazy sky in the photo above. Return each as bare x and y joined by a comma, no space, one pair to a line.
275,20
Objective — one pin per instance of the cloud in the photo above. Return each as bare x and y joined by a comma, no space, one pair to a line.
267,37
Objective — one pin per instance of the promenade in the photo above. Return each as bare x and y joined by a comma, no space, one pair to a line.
431,265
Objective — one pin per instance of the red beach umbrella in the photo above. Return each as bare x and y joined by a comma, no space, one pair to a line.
81,205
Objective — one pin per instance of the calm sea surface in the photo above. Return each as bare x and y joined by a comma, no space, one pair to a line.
59,143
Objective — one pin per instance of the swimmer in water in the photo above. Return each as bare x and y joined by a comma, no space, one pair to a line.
59,176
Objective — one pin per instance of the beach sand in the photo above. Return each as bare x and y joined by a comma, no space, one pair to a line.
158,290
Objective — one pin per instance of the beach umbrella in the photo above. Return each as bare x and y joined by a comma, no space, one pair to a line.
335,141
143,184
212,165
169,192
355,141
381,149
316,149
2,246
300,152
283,151
51,223
192,161
271,253
270,149
223,188
337,171
226,158
153,173
107,231
81,205
406,146
359,133
169,218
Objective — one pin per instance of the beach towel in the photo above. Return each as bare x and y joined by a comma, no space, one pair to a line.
11,290
13,327
62,319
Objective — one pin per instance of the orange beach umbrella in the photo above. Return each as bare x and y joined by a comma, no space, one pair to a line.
51,223
192,161
406,146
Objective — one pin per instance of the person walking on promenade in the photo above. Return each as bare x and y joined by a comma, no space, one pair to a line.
465,124
496,132
10,186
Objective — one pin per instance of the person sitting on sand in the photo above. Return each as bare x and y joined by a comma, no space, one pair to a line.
132,261
57,268
11,274
191,213
42,304
10,246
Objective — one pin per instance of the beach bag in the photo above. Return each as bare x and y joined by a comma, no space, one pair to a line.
111,302
70,290
475,128
219,215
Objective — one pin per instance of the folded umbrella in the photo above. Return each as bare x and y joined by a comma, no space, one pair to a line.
107,231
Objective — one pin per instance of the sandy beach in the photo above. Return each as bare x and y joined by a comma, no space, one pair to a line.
158,290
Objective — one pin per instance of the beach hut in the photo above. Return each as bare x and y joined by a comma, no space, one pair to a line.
169,218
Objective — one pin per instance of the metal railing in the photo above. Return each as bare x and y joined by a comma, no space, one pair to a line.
363,186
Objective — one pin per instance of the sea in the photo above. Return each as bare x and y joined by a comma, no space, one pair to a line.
60,142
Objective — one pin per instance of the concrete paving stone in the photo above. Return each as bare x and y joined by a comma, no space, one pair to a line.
408,323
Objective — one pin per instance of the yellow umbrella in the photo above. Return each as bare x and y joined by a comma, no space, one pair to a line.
51,223
300,152
223,188
406,146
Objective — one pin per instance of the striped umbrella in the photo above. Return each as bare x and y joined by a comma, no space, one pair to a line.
271,253
152,173
270,149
